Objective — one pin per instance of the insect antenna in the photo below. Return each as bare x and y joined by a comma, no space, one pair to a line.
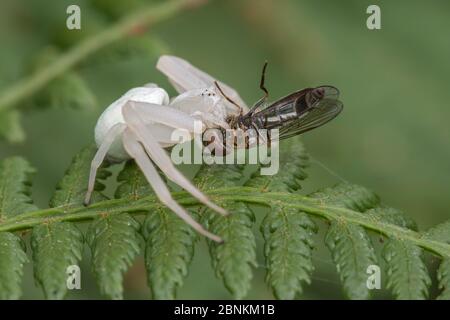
264,98
226,97
263,78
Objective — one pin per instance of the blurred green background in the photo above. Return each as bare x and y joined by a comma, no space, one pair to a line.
392,137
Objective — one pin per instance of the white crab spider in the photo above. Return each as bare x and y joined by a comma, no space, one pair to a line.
140,123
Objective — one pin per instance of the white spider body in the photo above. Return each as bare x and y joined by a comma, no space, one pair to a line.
140,123
113,115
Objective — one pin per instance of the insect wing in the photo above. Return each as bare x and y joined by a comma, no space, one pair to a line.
184,77
330,92
324,111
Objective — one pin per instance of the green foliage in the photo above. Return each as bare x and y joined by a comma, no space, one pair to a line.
406,273
232,260
114,235
12,259
169,249
441,232
350,246
51,79
115,242
393,216
287,232
67,91
346,195
71,189
288,250
352,253
10,128
132,183
15,174
56,246
294,160
443,276
169,242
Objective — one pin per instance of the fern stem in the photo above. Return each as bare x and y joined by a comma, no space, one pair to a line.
244,194
148,16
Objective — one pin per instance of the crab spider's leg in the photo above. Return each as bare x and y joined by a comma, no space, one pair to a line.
135,150
208,117
184,77
133,115
163,114
110,136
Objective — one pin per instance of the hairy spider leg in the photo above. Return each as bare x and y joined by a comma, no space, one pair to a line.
100,155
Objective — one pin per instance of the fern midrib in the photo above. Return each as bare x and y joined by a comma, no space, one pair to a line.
285,241
408,268
242,194
354,247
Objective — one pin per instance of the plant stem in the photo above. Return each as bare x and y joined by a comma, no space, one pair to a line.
148,16
243,194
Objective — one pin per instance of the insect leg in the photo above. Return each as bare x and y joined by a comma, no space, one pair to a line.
226,97
133,117
100,156
259,133
136,151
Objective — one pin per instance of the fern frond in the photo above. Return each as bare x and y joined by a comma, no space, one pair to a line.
132,183
233,259
287,232
294,160
115,242
218,176
392,216
12,259
407,275
288,250
15,174
443,276
69,90
348,196
352,252
169,241
441,232
56,246
350,246
71,189
168,252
